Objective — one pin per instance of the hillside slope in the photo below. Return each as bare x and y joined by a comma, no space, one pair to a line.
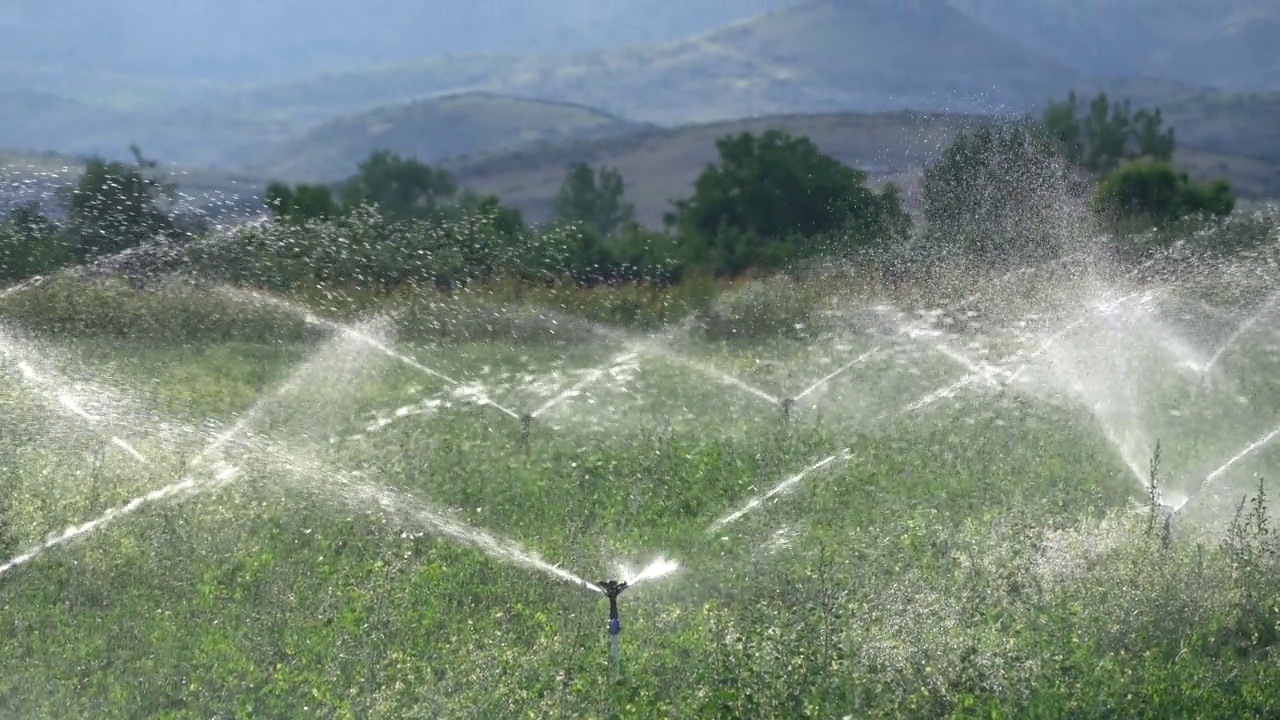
431,130
858,55
1228,44
254,41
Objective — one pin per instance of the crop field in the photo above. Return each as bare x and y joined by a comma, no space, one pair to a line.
223,503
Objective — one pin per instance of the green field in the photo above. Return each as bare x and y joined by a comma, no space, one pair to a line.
358,537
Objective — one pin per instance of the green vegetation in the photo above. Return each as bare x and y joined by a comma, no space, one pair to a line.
1002,190
980,559
769,203
597,200
776,199
318,548
1107,134
994,192
1152,191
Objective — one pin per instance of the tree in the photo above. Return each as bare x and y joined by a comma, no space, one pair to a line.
30,244
115,206
402,187
1155,191
596,200
301,203
1107,133
775,198
997,190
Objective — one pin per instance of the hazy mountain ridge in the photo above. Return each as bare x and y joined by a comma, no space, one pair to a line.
803,57
249,40
1229,44
432,130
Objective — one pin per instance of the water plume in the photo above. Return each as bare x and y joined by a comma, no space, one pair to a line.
61,394
413,511
1239,332
656,569
71,533
720,375
831,376
1248,450
311,318
781,487
592,376
189,484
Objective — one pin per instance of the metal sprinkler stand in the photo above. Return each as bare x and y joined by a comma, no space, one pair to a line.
526,425
787,405
612,589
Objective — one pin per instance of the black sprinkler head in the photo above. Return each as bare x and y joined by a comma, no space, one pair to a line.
612,588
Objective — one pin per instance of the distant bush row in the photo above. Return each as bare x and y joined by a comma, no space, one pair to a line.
772,200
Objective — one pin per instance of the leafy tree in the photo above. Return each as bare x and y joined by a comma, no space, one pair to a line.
775,198
594,199
116,206
1104,134
1156,191
507,221
996,190
301,203
402,187
30,244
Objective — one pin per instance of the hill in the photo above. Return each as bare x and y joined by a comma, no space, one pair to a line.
1228,44
243,41
431,130
868,55
661,164
817,57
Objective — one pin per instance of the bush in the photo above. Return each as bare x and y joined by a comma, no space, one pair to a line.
1155,192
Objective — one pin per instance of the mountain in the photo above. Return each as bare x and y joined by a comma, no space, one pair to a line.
237,41
833,55
1227,44
811,57
659,165
430,130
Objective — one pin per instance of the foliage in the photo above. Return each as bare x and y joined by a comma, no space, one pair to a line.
115,206
300,203
1107,134
774,199
978,560
402,187
1156,192
596,200
31,244
997,191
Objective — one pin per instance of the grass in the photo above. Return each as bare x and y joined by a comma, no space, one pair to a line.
980,558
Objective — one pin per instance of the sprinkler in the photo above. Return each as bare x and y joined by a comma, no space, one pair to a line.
526,425
612,589
787,404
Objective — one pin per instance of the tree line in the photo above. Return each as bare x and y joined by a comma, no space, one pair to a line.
770,201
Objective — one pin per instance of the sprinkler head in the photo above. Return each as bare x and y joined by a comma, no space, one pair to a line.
526,425
787,405
612,588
